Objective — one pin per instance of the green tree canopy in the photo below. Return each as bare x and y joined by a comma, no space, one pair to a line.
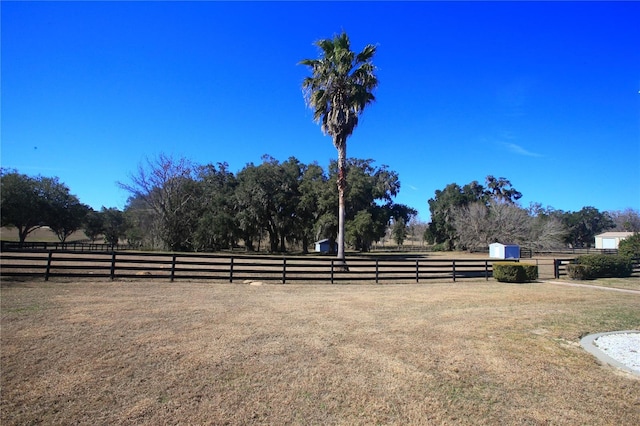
630,246
288,203
29,203
399,231
269,195
115,225
93,225
441,229
23,202
216,225
65,214
314,206
454,198
584,225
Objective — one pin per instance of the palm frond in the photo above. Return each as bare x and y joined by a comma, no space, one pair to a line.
367,53
340,86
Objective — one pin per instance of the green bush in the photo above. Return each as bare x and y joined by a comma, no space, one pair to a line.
630,246
439,247
606,265
578,272
512,272
531,271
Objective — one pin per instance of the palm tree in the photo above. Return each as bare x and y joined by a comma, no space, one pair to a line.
338,90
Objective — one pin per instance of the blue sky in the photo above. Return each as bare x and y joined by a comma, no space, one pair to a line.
546,94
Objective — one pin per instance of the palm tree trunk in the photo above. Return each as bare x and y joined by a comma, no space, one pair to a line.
341,145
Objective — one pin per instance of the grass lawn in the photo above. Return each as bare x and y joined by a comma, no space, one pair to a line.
625,283
202,353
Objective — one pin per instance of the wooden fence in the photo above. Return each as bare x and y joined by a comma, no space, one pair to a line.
236,268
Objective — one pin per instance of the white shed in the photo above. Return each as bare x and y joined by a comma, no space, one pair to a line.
504,251
323,246
610,240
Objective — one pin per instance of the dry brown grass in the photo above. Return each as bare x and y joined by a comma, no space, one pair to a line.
40,235
632,283
203,353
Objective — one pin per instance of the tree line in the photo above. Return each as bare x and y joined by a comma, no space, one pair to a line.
473,216
178,205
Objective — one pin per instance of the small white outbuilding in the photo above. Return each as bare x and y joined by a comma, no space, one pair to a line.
324,246
504,251
610,240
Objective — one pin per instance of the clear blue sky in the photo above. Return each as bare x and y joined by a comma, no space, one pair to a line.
546,94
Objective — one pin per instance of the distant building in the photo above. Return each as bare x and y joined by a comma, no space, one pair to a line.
324,246
504,251
610,240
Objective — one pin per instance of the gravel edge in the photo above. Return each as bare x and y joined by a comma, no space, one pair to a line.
616,348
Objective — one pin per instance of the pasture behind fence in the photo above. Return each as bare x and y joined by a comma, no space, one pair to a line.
72,246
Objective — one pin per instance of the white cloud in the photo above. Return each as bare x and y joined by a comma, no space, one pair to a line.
517,149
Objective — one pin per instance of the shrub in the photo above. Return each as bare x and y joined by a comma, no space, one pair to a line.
630,246
606,266
531,271
511,272
578,272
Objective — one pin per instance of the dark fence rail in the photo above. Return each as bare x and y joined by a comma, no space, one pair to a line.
175,266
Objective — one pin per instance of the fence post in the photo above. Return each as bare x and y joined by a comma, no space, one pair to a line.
556,268
46,274
332,271
417,271
173,267
454,270
113,265
284,270
376,271
486,270
231,269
